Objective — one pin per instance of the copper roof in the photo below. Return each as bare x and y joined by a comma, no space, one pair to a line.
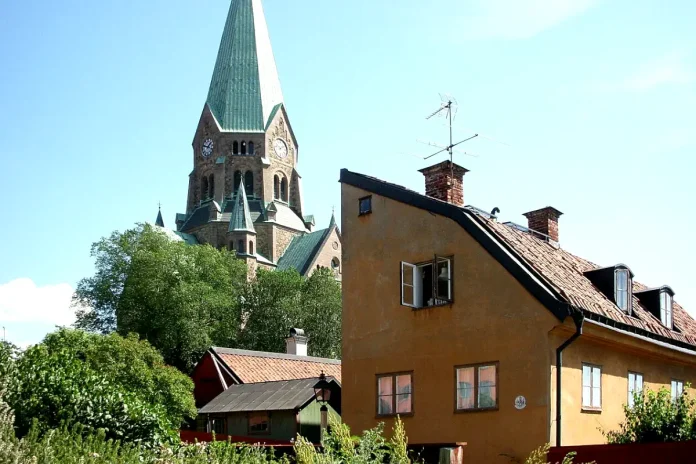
260,366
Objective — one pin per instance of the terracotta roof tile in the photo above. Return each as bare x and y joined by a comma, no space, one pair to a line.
564,272
260,366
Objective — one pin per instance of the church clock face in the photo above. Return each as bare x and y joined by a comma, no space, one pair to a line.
280,148
207,149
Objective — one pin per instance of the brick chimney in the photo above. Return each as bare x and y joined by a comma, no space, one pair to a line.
444,181
544,220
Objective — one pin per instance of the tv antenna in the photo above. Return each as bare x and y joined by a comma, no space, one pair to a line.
448,109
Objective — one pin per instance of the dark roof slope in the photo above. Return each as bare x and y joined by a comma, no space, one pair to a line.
302,250
551,274
281,395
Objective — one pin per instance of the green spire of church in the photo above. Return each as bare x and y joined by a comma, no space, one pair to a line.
241,215
245,86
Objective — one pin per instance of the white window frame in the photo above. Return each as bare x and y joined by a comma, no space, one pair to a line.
666,310
592,398
635,385
676,388
416,283
627,291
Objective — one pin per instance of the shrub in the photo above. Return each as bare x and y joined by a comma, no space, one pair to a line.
655,417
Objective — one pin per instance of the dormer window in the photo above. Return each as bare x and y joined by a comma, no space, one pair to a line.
615,283
666,309
622,285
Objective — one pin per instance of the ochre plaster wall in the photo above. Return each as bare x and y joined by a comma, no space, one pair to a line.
616,354
493,318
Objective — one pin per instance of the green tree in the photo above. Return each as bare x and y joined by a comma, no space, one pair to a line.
180,298
100,382
184,299
277,300
655,417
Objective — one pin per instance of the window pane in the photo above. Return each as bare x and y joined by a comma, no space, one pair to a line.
385,386
407,284
631,381
465,388
596,397
403,384
258,422
586,381
443,279
596,377
487,387
385,405
403,403
586,392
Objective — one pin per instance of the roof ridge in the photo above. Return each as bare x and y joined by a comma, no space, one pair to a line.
268,354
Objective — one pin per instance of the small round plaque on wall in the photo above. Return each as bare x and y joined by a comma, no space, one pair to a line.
520,402
335,245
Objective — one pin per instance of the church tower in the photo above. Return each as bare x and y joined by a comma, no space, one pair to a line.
245,152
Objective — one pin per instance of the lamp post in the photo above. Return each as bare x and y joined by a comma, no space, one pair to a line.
322,392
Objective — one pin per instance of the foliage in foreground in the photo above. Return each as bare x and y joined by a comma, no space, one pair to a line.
64,445
538,456
119,385
184,299
655,418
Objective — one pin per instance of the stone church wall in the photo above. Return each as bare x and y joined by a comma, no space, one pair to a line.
331,250
283,238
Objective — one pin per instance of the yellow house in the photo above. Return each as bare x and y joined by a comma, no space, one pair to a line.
459,324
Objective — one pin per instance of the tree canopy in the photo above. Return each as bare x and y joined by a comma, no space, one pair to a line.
184,299
120,385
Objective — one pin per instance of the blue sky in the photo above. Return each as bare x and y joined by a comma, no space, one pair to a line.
594,99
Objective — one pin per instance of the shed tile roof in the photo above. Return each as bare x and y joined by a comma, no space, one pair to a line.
301,251
261,366
280,395
560,271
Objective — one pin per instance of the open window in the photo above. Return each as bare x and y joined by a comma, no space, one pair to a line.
427,284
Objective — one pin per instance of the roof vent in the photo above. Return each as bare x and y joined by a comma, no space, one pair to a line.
296,343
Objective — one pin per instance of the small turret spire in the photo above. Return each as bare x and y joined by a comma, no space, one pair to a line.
159,221
241,214
332,223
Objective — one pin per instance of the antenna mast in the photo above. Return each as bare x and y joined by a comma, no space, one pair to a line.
448,105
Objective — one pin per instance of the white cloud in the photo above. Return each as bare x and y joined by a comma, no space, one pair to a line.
21,300
668,69
517,19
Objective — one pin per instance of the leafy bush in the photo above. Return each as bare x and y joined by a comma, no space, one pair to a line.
117,385
538,456
655,417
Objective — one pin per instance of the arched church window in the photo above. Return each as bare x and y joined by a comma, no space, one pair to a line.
251,247
335,265
235,148
240,246
249,183
237,180
284,189
211,186
244,148
251,148
276,187
204,188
